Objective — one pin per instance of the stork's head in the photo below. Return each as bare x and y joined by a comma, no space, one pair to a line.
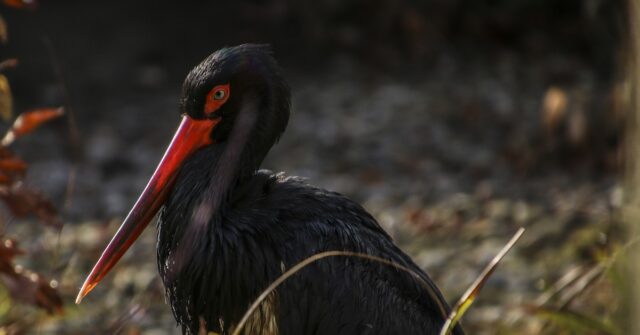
236,97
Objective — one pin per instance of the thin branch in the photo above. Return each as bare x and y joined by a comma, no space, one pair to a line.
75,140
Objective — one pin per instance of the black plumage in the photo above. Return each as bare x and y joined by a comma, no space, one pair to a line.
228,229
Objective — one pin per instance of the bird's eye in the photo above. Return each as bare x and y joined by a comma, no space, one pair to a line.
216,98
219,95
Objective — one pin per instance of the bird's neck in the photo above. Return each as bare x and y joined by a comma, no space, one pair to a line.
190,226
207,180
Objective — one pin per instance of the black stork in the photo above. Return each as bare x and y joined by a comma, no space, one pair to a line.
227,229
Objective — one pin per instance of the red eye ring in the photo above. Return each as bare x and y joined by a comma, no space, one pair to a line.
216,97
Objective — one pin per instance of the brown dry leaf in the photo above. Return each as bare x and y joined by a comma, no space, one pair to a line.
4,35
6,100
5,180
28,121
554,108
23,202
31,288
21,4
578,125
12,168
5,153
26,286
47,296
8,250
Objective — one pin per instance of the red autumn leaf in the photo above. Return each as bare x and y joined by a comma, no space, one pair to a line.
5,153
47,297
21,4
13,165
28,121
12,168
23,202
5,179
4,35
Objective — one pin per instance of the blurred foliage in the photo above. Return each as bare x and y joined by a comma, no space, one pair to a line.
20,284
628,287
392,32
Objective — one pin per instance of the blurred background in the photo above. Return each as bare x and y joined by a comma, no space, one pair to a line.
453,122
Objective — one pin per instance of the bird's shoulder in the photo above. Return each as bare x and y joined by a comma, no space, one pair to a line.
293,199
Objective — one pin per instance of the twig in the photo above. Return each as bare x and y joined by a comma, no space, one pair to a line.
469,296
75,140
567,279
580,285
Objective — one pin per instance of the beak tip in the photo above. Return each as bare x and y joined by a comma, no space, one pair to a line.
79,297
84,290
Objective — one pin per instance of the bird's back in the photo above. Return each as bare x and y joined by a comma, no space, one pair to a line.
272,223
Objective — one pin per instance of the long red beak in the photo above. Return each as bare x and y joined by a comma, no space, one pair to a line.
190,136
